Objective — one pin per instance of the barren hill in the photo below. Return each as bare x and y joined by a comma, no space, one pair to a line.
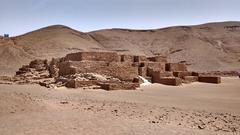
207,47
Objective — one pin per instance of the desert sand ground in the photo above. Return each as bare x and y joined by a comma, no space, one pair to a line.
196,108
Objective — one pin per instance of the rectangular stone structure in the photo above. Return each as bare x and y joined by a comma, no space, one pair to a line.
158,59
210,79
190,79
80,83
127,58
176,67
173,81
156,75
122,70
142,71
140,58
155,66
93,56
119,86
181,74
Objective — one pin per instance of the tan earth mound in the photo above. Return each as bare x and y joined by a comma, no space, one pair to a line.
208,47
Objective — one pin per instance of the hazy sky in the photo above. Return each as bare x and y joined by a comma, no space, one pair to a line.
20,16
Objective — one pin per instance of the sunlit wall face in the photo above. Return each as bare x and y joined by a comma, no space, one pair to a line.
20,16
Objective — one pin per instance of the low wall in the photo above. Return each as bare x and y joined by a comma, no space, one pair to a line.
176,67
209,79
93,56
173,81
158,59
80,83
119,86
181,74
190,79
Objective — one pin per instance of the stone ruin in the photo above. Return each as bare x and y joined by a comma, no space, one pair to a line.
107,70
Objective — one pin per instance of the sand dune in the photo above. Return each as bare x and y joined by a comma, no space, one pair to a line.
207,47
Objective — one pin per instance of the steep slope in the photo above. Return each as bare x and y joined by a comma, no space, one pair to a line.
11,57
207,47
214,46
55,41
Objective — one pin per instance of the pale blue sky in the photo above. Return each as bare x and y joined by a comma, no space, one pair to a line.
20,16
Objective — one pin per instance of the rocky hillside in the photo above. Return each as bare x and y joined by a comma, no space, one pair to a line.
207,47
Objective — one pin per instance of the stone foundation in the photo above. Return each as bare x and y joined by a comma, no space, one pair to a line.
119,86
176,67
93,56
80,83
190,79
209,79
173,81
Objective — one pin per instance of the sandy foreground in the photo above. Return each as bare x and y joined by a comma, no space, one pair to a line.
196,108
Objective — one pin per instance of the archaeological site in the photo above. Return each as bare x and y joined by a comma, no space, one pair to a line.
106,70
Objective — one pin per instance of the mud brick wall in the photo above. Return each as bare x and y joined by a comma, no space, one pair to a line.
140,58
181,74
142,71
122,70
209,79
93,56
158,59
189,79
154,66
80,83
174,81
127,58
119,86
157,75
66,68
160,66
176,67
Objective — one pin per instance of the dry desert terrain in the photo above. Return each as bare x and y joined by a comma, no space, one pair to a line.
196,108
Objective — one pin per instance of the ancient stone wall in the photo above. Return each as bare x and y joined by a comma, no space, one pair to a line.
176,67
209,79
174,81
119,86
158,59
93,56
122,70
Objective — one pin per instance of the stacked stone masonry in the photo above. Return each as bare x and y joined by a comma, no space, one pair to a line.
124,68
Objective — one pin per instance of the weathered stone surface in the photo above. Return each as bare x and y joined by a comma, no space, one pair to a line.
161,59
109,69
39,64
140,58
119,86
160,66
209,79
93,56
174,81
176,67
54,68
80,83
127,58
142,71
190,79
181,74
123,71
156,75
